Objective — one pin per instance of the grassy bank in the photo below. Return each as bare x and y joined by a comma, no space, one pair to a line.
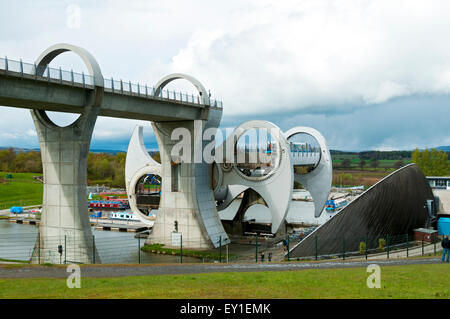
396,282
21,190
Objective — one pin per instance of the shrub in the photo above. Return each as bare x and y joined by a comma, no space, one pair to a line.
362,248
381,244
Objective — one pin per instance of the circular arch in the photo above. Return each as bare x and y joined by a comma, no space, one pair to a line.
176,76
51,53
259,124
324,153
132,199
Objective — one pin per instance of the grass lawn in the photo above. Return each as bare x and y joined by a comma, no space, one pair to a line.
23,190
396,282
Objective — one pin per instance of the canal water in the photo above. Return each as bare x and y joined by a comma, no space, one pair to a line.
17,242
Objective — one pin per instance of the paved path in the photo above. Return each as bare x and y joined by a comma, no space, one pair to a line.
173,269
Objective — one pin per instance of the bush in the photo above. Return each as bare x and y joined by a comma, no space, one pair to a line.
381,244
362,248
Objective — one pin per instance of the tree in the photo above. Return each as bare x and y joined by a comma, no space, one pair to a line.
374,163
431,162
398,164
362,163
346,163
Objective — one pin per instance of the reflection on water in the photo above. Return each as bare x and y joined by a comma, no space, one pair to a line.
17,242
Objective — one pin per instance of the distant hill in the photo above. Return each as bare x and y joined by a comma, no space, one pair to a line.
112,152
443,148
93,150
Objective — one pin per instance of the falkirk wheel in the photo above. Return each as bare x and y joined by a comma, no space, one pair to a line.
191,207
189,190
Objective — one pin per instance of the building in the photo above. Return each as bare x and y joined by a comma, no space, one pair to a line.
439,182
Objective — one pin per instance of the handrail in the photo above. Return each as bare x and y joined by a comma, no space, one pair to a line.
70,78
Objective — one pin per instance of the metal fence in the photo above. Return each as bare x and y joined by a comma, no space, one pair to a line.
107,248
386,246
125,248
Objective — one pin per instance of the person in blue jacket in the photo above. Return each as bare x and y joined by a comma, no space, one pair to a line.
446,248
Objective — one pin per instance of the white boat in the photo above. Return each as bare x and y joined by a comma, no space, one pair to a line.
127,215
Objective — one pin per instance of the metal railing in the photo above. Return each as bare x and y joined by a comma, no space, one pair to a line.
64,77
386,246
123,248
106,248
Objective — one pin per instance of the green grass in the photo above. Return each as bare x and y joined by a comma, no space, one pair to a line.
15,261
396,282
22,190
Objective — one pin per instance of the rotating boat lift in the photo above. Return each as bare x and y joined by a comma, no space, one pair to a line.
226,181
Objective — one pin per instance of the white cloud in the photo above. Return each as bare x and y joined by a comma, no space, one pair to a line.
301,54
259,56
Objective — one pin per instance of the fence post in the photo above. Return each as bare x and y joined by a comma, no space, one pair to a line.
367,247
181,248
434,243
407,245
422,244
226,247
315,240
65,249
139,249
220,249
288,255
256,249
387,244
93,249
343,247
39,248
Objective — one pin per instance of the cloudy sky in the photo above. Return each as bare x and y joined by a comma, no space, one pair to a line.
367,74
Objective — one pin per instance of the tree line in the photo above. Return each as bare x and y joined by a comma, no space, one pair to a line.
103,168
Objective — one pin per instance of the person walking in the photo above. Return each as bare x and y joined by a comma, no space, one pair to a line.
446,249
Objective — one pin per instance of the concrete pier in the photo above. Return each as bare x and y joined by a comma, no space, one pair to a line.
187,197
64,152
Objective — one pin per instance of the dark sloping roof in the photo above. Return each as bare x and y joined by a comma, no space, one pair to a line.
393,206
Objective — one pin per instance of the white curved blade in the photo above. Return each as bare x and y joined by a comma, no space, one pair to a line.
317,182
137,164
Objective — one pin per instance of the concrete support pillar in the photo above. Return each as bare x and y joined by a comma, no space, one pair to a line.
65,219
187,196
64,152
